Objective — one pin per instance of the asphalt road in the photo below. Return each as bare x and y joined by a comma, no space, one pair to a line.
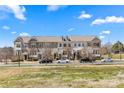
36,64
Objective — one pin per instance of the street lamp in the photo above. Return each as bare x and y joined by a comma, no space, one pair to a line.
6,59
19,58
120,54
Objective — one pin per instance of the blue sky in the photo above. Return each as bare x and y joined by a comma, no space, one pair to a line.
106,22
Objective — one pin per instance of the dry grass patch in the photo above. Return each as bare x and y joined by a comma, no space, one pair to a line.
65,76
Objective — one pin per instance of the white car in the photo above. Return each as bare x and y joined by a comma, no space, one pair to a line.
107,60
64,61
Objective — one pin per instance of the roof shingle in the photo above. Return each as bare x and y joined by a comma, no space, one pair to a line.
57,38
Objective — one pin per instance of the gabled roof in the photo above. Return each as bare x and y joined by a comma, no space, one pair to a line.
48,38
26,39
82,38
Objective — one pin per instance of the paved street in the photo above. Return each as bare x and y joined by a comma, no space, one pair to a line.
36,63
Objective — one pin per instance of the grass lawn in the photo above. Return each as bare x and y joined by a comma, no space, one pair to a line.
115,56
63,76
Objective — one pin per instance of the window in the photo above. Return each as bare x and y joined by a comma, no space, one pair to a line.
64,45
33,45
69,45
95,52
75,44
96,44
60,45
79,44
41,45
33,53
25,45
88,44
55,45
18,45
63,39
82,45
18,52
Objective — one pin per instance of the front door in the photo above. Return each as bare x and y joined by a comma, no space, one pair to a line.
25,57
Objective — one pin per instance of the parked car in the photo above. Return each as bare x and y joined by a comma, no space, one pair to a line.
46,61
107,60
87,59
64,60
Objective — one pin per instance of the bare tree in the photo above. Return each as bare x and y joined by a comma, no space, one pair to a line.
86,54
109,48
67,51
104,51
6,54
47,54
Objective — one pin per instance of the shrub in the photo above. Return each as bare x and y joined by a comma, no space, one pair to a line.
16,59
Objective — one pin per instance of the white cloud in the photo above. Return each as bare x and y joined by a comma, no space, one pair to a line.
98,21
24,34
84,15
109,19
6,27
71,29
13,32
107,32
55,7
101,37
17,10
104,33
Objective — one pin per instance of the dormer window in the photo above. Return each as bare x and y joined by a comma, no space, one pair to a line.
63,38
68,38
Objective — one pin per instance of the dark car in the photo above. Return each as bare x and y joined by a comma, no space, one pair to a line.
86,59
46,61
